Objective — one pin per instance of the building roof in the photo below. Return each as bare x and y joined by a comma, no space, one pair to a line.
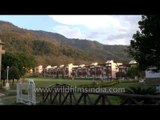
1,43
132,62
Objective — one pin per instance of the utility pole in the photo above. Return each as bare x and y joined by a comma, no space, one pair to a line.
7,84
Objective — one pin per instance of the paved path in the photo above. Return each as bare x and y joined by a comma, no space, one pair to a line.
1,102
0,99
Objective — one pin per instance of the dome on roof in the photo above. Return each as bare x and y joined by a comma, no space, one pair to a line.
132,62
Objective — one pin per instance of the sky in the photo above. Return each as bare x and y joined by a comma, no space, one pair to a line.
106,29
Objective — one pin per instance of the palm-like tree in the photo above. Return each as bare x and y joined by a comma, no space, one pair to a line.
143,91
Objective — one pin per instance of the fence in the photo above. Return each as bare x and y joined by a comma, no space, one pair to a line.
52,96
26,93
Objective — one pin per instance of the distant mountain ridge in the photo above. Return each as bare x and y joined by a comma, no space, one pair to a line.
55,49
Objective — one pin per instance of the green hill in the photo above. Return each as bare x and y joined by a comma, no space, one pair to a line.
55,49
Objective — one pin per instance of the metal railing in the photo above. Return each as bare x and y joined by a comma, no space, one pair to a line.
54,96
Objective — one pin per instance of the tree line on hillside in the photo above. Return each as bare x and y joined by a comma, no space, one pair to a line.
60,49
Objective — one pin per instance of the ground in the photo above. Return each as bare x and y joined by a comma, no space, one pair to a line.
8,97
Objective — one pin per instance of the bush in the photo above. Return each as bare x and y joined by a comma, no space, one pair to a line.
99,84
143,91
33,75
127,81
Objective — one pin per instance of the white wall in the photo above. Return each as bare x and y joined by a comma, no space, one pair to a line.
151,74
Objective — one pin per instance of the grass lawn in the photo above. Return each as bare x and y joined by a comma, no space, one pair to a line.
44,82
10,100
10,96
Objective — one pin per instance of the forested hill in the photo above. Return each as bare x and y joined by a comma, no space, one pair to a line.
55,49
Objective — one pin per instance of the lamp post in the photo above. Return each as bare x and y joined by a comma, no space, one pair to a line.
7,84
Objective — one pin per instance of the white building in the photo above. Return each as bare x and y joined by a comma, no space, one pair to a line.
38,69
150,74
114,67
70,67
48,67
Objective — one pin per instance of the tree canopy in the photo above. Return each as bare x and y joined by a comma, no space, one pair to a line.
19,64
145,45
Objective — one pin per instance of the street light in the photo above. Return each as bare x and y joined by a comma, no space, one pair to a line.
7,73
7,84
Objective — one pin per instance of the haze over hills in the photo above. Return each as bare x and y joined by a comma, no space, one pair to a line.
56,49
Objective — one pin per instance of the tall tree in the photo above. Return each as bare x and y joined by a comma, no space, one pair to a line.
26,62
133,71
19,64
145,46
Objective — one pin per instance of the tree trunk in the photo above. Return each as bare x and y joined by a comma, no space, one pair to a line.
3,83
12,82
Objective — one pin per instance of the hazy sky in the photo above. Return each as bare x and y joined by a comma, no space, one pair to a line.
106,29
